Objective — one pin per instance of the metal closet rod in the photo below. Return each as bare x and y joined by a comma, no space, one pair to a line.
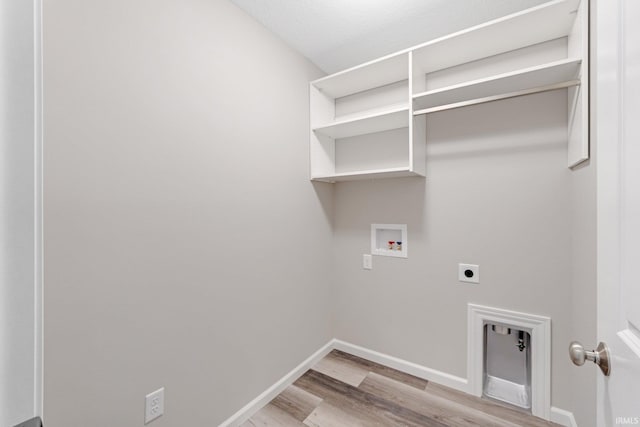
524,92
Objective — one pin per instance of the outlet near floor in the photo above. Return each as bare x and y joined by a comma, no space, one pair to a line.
154,405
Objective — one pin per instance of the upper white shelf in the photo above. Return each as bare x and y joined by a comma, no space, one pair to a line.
379,121
381,72
513,82
546,22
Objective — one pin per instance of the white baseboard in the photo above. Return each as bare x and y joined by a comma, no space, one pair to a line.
269,394
562,417
414,369
557,415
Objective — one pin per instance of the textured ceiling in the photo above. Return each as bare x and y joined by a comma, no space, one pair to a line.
338,34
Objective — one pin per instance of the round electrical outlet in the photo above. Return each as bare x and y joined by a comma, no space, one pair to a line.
469,273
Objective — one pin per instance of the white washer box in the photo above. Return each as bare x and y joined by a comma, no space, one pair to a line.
382,234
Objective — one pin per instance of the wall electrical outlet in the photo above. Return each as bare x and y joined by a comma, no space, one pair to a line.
154,405
469,273
367,261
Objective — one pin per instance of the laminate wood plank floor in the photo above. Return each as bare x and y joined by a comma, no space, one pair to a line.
343,390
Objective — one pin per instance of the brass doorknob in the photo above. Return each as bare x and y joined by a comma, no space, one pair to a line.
599,356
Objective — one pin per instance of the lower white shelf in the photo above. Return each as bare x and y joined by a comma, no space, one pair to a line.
366,174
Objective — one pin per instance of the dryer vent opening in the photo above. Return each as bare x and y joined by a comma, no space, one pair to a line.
507,365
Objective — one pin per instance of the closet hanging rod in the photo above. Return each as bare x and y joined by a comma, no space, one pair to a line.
492,98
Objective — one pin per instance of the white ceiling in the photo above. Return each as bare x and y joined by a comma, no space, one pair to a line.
338,34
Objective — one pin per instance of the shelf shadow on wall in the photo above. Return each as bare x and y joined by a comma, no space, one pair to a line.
324,192
380,201
514,127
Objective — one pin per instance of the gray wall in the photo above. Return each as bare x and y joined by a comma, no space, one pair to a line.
497,194
184,245
18,329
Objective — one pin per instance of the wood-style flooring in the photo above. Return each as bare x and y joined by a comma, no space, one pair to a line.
343,390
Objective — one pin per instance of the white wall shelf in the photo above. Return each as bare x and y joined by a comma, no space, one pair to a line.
498,97
370,75
542,23
385,100
528,80
379,121
367,174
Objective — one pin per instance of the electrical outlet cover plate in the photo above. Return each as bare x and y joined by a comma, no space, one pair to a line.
154,405
367,261
469,273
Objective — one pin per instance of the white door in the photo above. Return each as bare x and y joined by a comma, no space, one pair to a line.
617,121
20,238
